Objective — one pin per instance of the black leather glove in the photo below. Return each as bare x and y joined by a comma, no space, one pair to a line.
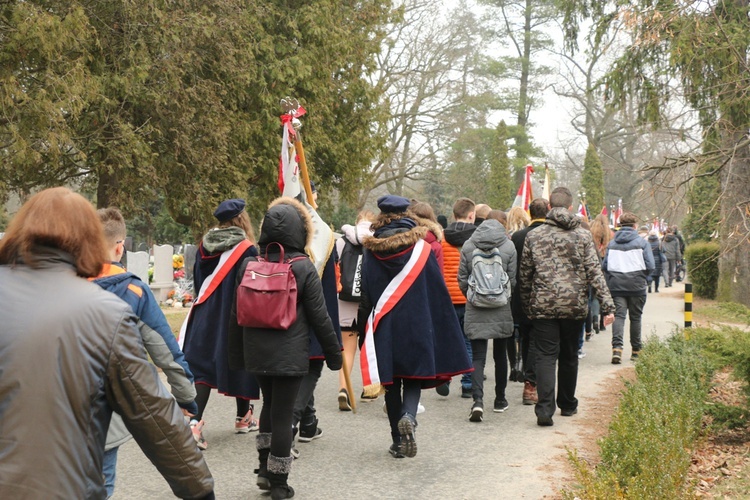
334,361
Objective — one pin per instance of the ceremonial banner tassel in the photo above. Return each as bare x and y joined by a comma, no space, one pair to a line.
524,196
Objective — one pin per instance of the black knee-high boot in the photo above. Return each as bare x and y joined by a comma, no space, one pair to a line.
263,444
278,473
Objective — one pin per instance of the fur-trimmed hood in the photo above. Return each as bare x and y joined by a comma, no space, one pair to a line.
436,228
287,221
393,242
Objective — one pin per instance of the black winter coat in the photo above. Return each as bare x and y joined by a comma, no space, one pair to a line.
286,352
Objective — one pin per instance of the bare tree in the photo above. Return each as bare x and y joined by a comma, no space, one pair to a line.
426,72
627,146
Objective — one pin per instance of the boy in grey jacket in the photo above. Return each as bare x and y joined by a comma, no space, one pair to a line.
482,324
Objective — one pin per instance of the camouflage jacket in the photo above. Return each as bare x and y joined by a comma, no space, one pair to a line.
558,264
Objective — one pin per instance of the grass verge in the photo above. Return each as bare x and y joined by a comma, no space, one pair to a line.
724,312
175,318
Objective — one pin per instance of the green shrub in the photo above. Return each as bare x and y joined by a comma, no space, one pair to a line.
726,346
703,268
725,416
646,453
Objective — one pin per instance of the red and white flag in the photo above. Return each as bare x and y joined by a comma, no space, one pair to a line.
582,211
524,196
290,184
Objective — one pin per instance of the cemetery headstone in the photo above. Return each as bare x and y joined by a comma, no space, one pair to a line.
163,271
137,263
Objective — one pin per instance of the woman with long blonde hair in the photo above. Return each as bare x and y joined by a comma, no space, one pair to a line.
517,219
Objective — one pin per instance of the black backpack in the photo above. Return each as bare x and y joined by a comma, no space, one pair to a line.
350,266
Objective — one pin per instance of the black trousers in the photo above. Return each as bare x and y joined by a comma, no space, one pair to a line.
479,359
201,399
279,394
304,406
556,343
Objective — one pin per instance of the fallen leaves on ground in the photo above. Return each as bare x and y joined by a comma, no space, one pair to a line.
723,454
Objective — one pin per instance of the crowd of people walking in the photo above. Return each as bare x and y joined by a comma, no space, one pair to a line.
420,297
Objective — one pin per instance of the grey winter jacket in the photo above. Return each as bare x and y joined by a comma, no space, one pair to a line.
670,245
483,323
70,353
628,264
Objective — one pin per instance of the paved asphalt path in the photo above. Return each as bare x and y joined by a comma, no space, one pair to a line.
506,456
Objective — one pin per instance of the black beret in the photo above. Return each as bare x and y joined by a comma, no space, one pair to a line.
392,204
229,209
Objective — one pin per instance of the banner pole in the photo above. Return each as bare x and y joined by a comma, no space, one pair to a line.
303,170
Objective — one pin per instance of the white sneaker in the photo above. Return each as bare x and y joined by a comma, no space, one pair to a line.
420,408
196,428
581,354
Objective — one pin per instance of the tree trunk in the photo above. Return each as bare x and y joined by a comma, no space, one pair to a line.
523,90
734,263
106,186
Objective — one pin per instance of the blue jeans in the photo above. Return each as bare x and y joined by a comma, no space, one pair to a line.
581,336
401,397
109,470
461,312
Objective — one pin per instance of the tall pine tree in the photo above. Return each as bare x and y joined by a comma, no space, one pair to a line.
499,189
592,181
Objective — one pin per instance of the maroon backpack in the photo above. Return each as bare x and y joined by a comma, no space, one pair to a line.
267,295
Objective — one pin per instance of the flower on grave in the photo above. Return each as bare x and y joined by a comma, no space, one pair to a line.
182,293
178,261
150,275
179,274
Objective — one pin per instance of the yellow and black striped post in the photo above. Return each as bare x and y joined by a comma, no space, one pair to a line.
688,307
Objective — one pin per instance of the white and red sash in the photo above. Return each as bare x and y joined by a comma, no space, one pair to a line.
392,294
226,262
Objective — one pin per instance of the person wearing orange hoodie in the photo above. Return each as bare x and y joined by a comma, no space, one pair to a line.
455,235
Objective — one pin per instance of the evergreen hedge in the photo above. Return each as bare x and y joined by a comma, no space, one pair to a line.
646,453
703,268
